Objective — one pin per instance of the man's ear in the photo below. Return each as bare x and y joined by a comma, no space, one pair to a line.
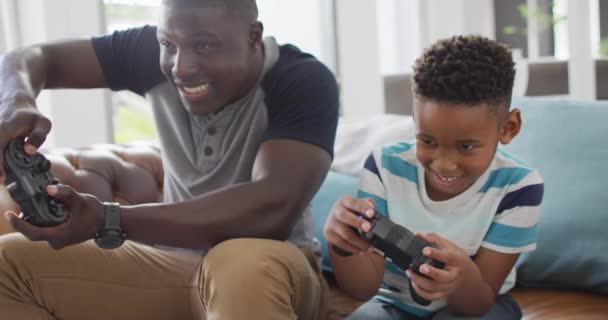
510,126
256,30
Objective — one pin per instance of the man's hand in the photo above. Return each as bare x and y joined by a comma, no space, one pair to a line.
20,118
435,283
342,218
85,218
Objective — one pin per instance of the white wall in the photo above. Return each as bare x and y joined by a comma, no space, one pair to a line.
362,90
443,19
399,32
306,24
407,27
80,117
581,66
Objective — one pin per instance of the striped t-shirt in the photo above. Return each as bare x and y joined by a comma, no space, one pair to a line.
499,211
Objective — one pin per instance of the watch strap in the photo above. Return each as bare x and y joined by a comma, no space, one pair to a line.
112,216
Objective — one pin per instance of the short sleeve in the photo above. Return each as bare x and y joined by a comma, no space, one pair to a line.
302,99
513,229
130,59
371,186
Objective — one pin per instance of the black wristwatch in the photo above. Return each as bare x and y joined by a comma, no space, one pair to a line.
111,235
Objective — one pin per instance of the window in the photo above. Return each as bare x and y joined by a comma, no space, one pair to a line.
538,27
132,117
603,16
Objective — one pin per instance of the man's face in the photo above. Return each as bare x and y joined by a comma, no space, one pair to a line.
455,144
208,54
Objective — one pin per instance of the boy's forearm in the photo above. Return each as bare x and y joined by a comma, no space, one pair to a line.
356,275
475,297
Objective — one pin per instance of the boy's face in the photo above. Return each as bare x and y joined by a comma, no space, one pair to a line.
208,54
456,143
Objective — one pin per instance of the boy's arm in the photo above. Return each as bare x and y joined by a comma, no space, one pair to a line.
513,231
358,275
357,270
483,280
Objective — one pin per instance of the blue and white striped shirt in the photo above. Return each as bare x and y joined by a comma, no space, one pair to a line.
499,211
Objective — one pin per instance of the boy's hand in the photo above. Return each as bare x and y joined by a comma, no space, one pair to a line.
433,283
343,217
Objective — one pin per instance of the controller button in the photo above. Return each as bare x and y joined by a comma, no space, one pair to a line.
56,207
44,165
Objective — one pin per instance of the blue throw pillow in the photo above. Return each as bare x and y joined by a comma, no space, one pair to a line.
334,186
567,142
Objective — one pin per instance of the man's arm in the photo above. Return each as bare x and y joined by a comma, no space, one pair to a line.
25,72
286,175
66,64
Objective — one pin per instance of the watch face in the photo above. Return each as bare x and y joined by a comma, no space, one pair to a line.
110,240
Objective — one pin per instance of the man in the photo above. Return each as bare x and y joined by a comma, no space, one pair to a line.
246,129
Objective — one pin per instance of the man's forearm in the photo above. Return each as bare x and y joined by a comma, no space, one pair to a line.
245,210
22,74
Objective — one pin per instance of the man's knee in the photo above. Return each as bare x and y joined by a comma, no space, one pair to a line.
254,262
12,247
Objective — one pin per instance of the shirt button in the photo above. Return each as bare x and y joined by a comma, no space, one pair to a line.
208,151
211,131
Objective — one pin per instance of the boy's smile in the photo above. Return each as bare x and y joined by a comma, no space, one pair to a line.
456,144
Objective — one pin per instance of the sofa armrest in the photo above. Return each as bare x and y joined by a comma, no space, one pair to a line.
126,174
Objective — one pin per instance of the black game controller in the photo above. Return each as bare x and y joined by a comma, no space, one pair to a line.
27,177
400,246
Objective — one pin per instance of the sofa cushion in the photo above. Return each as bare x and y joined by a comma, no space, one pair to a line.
567,142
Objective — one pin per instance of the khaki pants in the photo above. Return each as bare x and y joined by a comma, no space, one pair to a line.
238,279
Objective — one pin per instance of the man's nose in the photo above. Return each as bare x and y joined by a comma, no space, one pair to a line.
185,65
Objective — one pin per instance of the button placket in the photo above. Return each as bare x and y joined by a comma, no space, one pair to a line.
211,148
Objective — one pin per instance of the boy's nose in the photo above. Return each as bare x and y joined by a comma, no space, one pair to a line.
445,167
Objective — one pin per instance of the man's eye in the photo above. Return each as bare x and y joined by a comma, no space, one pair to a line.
203,46
166,44
466,147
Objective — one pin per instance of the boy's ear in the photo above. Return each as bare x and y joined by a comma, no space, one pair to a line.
510,126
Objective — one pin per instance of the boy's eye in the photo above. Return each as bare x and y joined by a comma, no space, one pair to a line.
427,141
466,147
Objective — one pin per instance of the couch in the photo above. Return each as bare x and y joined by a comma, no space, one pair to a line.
565,278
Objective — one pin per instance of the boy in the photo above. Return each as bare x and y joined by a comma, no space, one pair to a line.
452,187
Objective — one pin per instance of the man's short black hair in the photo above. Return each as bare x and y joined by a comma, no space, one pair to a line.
247,9
468,70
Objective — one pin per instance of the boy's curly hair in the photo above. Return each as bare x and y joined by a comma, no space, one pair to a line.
466,70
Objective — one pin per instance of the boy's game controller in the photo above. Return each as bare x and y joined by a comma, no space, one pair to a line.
398,245
27,177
